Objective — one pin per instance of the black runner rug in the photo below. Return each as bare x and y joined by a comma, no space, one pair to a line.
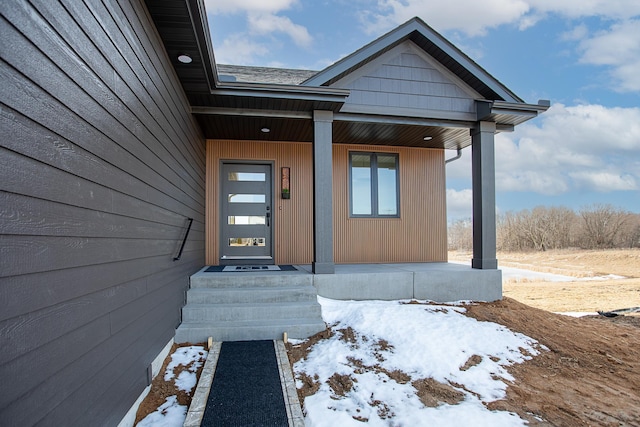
246,388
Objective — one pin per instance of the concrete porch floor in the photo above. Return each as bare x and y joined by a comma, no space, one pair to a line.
436,281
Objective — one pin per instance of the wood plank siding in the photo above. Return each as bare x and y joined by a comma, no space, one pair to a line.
419,235
101,164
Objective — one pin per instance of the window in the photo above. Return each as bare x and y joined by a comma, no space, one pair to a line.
374,185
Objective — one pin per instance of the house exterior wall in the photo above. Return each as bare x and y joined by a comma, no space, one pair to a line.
293,218
100,165
419,235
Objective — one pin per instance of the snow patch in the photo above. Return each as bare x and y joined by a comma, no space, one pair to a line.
169,414
422,341
191,356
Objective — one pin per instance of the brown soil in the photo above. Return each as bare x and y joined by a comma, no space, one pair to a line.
589,377
161,389
433,393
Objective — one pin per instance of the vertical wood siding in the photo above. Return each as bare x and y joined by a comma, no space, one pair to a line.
419,235
100,165
293,218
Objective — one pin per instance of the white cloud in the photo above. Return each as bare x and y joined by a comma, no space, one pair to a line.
469,16
263,25
611,9
266,23
239,49
605,182
234,6
618,48
577,33
459,203
475,18
585,147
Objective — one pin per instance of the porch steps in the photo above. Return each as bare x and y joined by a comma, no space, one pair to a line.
249,306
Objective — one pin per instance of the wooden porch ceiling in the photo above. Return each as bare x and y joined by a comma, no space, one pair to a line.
344,131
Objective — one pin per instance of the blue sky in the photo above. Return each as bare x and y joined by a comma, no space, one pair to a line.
582,55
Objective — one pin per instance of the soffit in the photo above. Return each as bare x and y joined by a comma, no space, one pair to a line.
344,131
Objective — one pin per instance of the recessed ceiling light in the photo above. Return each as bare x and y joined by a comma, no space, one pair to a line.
184,58
427,138
265,129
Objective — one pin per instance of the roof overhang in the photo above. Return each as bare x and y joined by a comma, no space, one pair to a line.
239,110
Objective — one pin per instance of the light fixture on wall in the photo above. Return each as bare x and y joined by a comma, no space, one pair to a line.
265,129
184,58
285,182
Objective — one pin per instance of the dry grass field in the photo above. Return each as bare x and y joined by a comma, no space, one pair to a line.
575,296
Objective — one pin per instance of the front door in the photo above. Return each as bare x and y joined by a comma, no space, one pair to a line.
246,217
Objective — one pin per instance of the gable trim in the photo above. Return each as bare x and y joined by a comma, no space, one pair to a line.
427,39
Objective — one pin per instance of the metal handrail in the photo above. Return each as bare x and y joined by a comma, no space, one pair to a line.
184,240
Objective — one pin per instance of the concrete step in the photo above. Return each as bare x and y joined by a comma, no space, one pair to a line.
252,280
251,295
198,332
250,311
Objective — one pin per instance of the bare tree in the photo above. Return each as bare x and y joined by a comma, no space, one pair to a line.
602,225
461,235
541,228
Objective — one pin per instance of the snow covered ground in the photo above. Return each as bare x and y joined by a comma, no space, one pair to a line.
516,274
375,338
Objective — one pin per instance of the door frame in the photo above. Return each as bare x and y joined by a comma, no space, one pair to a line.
270,237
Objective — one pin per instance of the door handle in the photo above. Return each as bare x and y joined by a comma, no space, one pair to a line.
268,216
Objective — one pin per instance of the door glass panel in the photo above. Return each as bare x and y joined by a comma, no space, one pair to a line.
245,220
387,186
247,241
246,198
361,184
247,176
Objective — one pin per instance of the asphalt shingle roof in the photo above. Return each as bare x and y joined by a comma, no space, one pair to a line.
263,74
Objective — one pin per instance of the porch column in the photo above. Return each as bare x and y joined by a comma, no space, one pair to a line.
484,196
323,192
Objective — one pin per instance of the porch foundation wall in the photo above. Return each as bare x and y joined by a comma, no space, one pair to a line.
439,282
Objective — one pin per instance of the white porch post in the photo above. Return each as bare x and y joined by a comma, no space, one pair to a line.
484,196
323,193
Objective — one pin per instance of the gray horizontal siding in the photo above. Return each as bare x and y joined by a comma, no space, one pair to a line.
405,80
101,164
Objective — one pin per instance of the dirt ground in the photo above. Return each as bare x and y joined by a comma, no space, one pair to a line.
589,377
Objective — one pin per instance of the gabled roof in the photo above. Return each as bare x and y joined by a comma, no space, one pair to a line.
432,43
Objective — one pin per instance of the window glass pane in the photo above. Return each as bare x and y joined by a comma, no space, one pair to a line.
247,241
245,220
387,185
246,176
361,184
246,198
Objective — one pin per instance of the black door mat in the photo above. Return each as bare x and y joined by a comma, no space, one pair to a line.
220,268
246,388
